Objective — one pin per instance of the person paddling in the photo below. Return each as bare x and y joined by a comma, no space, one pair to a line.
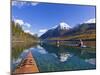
58,43
81,44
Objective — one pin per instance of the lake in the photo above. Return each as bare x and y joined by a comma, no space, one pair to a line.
50,58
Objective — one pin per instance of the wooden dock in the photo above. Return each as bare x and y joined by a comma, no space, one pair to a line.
28,65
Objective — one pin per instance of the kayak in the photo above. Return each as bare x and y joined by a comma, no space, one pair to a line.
76,45
28,65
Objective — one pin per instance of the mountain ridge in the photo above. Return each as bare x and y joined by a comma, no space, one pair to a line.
66,30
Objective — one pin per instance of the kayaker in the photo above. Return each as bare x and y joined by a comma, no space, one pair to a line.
81,44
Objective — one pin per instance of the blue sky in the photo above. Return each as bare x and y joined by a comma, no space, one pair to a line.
39,17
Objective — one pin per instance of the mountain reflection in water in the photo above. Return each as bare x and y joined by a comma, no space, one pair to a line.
52,58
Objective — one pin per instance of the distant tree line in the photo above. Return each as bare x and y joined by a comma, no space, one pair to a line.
18,31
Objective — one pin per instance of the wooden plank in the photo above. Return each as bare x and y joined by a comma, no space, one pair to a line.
28,65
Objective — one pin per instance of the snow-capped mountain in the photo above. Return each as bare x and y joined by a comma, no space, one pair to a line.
90,21
63,29
57,30
62,26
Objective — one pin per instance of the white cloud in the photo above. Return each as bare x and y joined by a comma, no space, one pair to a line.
34,3
90,21
28,25
18,4
14,3
22,3
28,31
42,30
22,23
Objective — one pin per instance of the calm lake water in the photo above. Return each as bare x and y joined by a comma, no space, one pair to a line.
51,58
